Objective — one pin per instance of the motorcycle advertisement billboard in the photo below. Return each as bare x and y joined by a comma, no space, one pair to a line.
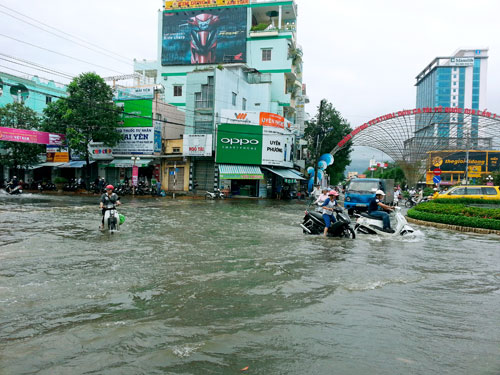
208,36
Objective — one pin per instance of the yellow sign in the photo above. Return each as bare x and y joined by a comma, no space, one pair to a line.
193,4
475,171
437,161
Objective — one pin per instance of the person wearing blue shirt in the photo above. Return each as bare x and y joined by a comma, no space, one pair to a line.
376,207
328,207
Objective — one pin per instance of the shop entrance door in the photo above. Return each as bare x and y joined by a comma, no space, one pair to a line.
179,179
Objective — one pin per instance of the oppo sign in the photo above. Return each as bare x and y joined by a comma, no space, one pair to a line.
239,141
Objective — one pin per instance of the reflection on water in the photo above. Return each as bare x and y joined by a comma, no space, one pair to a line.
196,287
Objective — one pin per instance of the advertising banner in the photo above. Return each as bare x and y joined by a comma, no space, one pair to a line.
31,136
192,4
239,144
134,93
136,141
197,145
99,151
56,154
135,175
157,140
209,36
462,61
253,118
137,112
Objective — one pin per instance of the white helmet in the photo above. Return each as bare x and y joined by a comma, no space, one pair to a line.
379,192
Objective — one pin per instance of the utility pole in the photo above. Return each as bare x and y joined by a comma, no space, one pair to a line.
320,125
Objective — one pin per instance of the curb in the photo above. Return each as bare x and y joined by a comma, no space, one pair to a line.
457,228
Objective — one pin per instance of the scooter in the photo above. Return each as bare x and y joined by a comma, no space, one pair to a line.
367,224
111,220
14,190
313,223
217,194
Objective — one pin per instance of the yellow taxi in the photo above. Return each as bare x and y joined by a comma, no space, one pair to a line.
473,192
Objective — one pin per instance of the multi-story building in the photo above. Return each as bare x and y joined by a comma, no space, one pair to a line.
229,55
453,81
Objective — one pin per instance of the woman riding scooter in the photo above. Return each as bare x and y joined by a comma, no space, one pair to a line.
108,199
328,209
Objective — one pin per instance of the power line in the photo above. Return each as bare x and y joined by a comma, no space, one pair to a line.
37,65
63,32
58,53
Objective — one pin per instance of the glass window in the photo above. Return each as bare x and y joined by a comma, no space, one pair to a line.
458,191
266,54
48,99
177,90
489,191
244,104
473,191
235,96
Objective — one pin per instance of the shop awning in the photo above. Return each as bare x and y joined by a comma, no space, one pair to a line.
47,164
75,164
240,172
287,174
129,163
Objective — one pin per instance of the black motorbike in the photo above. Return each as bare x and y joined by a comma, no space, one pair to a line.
313,223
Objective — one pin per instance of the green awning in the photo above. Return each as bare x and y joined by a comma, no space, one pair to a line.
129,163
240,172
288,174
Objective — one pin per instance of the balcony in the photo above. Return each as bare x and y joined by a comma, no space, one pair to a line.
270,20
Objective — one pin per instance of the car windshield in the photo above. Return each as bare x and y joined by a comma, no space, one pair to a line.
363,187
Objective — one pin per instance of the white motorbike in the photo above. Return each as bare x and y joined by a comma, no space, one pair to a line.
111,220
367,224
217,194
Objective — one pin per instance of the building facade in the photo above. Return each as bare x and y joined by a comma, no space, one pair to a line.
459,80
237,56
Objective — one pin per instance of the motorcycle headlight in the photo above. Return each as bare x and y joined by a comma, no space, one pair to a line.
348,199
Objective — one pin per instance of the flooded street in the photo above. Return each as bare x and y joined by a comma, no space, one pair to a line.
210,287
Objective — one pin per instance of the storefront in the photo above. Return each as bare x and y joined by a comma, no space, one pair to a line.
285,180
120,170
242,180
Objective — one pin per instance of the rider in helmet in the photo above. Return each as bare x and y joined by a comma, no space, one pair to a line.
108,199
328,207
376,208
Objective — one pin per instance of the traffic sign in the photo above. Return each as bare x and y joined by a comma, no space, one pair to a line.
437,172
436,179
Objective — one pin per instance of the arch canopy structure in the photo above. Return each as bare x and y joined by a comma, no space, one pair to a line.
408,136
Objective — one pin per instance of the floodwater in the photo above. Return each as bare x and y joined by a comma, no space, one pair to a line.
214,287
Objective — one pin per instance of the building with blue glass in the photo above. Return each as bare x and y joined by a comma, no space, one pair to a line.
453,81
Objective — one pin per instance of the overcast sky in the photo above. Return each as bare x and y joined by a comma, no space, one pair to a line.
361,55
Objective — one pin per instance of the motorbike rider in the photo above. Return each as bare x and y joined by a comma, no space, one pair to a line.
328,207
322,198
376,209
108,199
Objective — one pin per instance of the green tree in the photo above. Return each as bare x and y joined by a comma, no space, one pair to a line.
18,155
323,133
392,172
87,115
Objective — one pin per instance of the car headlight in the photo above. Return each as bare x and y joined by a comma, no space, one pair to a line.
348,199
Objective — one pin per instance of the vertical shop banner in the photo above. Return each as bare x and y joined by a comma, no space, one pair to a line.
157,136
239,144
204,36
135,175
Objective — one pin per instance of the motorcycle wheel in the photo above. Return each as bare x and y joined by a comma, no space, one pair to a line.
349,233
208,196
408,204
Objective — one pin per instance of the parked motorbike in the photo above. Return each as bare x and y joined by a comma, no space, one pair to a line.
367,224
217,194
313,223
111,220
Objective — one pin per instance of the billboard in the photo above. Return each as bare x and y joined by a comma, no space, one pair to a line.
31,136
192,4
138,141
56,154
134,93
253,118
197,145
208,36
257,145
136,112
462,61
99,151
456,161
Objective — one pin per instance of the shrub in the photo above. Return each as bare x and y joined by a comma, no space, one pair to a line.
467,201
60,180
464,221
260,27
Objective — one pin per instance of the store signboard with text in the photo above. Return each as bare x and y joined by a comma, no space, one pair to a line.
253,118
140,141
56,154
197,145
239,144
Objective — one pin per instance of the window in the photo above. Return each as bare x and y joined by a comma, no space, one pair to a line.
205,98
489,191
48,99
459,191
158,116
454,97
454,90
176,150
244,104
177,90
235,96
454,83
473,191
266,54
